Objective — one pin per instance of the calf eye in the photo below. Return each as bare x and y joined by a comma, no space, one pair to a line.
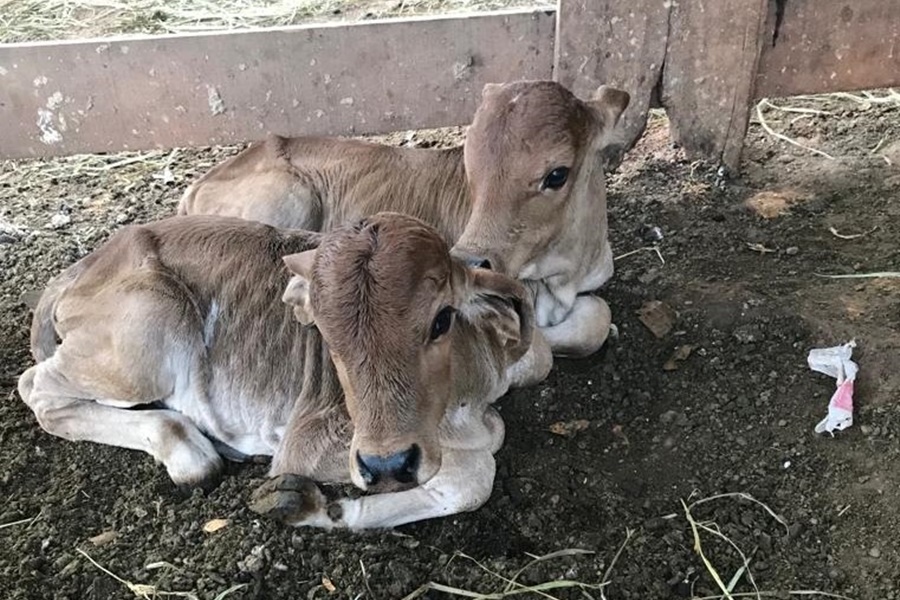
555,179
442,322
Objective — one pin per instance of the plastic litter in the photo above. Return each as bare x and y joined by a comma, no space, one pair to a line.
836,363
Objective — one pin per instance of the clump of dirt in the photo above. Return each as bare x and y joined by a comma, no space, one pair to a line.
606,447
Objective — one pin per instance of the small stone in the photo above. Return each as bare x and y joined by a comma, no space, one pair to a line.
253,562
866,429
792,251
875,552
652,234
122,218
104,538
668,416
58,221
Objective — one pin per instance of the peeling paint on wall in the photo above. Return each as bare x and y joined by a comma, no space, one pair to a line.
49,134
216,104
45,117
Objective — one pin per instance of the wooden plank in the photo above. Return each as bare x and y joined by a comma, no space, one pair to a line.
619,43
819,46
711,63
163,91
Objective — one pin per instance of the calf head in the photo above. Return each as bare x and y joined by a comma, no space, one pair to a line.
534,163
395,311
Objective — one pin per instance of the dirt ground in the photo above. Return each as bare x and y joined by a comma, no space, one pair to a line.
735,417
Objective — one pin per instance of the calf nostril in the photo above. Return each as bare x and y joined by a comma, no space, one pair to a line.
477,262
407,471
365,470
400,466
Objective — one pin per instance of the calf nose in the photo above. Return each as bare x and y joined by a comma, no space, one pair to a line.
473,261
400,466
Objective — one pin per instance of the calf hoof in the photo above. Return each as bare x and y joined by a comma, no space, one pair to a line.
205,484
291,499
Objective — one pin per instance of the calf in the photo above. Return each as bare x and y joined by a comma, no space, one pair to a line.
386,381
525,196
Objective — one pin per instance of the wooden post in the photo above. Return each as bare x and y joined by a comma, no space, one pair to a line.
711,61
698,56
622,44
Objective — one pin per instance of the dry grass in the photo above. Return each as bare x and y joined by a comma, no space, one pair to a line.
514,588
35,20
150,592
121,172
772,116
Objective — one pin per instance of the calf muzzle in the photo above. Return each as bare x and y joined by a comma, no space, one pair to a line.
392,471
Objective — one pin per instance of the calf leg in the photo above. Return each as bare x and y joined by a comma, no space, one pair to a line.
583,331
534,366
67,409
463,483
137,340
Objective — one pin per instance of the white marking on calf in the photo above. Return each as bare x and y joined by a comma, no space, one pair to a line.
209,324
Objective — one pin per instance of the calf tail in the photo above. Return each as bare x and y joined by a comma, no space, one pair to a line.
43,325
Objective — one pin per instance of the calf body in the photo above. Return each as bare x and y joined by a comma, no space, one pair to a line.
525,195
210,320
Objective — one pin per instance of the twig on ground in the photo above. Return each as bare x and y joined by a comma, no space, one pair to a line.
365,575
29,521
747,497
768,129
745,567
698,548
644,249
853,236
608,573
795,109
778,594
876,275
513,588
756,247
149,592
536,559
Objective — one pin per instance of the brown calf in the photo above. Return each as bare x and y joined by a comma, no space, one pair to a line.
525,196
391,388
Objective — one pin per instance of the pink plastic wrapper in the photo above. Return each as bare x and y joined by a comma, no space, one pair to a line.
836,363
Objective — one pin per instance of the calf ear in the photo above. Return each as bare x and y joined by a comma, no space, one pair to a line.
609,103
297,291
504,305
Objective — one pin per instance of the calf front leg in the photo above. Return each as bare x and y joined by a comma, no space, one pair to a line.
534,366
68,410
463,483
583,331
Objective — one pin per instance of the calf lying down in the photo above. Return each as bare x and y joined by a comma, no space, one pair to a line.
365,355
526,195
